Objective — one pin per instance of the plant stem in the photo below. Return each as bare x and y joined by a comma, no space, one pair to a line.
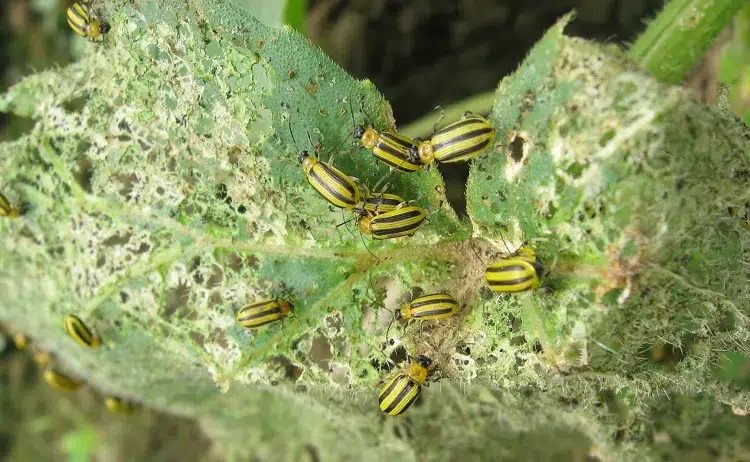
680,34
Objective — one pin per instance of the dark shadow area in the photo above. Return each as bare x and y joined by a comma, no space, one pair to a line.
424,54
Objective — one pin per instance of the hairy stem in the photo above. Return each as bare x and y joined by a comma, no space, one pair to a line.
680,34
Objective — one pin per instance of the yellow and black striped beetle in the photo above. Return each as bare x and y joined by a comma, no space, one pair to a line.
118,405
519,272
264,312
392,148
402,221
57,379
458,142
84,23
77,329
7,209
403,388
375,204
428,307
339,189
20,341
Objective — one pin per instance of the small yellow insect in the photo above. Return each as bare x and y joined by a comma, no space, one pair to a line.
428,307
335,186
458,142
20,341
403,388
119,405
263,312
58,380
83,22
392,148
519,272
7,209
402,221
76,328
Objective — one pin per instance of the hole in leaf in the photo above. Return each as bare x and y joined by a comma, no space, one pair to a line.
214,279
176,298
221,192
75,104
84,172
291,371
234,261
198,338
117,239
665,354
320,352
127,181
143,248
517,148
575,169
399,355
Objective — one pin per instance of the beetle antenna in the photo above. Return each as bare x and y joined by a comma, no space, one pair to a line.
440,119
289,124
345,222
351,111
362,238
505,243
362,108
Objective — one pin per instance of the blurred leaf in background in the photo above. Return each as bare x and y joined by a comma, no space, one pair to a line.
276,13
734,68
79,444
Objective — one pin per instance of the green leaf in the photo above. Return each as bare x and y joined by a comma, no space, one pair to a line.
610,183
269,13
79,445
295,14
279,12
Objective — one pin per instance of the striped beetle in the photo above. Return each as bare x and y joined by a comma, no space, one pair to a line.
428,307
57,379
78,330
392,148
518,272
264,312
458,142
336,187
118,405
402,221
403,388
84,23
